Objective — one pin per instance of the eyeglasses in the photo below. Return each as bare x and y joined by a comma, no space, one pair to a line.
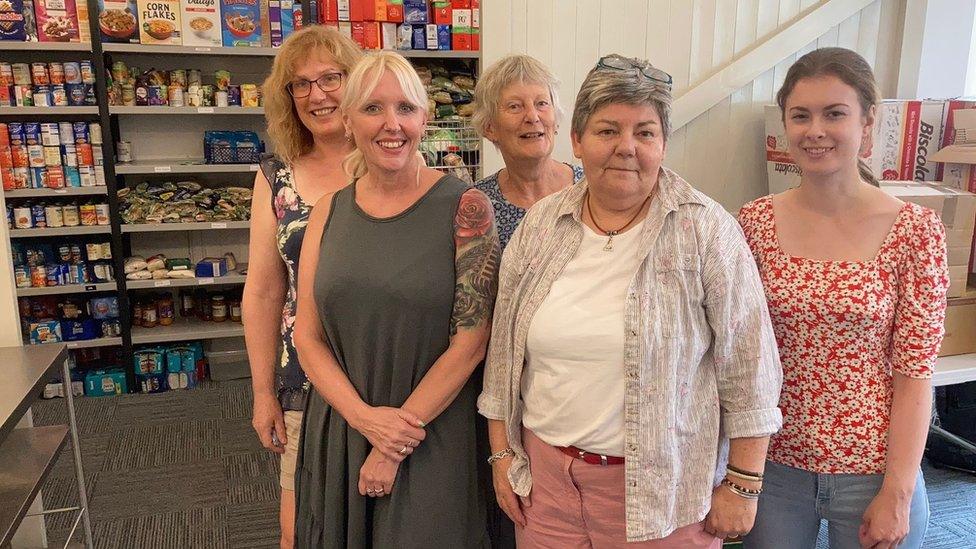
617,62
328,82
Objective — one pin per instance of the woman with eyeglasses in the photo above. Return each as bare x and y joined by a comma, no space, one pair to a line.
632,374
302,96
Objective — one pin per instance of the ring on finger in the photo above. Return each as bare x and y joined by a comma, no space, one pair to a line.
403,451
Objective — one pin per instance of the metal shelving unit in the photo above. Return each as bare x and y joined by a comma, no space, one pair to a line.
60,231
185,111
188,50
181,166
55,193
157,227
67,289
187,329
48,111
231,278
45,46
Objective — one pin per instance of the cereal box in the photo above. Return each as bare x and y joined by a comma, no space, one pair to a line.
57,20
287,19
241,22
12,20
118,21
265,24
159,22
84,30
274,15
201,23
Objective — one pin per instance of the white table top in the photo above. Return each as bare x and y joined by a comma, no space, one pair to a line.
954,369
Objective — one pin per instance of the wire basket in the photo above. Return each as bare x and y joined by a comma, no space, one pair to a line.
454,147
220,153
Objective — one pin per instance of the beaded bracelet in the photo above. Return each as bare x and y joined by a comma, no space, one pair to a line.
741,491
743,474
500,455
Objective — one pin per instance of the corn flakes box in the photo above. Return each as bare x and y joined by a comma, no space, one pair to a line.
241,22
160,22
57,20
118,21
201,23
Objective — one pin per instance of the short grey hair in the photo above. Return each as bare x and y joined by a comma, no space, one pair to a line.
506,71
605,86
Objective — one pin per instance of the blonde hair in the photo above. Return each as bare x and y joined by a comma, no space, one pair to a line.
363,81
506,71
289,136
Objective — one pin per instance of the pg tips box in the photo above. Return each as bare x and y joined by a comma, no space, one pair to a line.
57,20
201,22
905,134
160,22
782,172
241,22
118,21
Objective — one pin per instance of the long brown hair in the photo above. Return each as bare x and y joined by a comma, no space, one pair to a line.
851,69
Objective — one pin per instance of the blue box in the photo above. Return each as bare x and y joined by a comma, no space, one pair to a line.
12,21
45,331
78,330
415,12
443,37
240,23
148,361
210,267
105,383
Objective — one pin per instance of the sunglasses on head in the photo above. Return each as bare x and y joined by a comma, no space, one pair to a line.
617,62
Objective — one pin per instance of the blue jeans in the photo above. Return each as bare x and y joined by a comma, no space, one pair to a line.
794,502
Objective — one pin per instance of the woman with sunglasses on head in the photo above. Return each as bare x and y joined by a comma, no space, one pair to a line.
630,343
302,96
856,282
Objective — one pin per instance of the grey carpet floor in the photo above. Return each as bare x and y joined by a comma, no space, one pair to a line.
184,469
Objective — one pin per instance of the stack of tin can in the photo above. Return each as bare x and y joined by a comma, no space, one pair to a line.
55,84
53,155
40,215
37,267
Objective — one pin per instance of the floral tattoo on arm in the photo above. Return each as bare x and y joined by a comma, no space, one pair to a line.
476,262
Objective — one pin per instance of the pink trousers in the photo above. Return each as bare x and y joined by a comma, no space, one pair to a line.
576,505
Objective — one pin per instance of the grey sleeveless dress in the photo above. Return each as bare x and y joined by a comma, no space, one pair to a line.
384,289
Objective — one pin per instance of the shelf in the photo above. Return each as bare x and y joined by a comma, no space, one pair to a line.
26,369
67,289
187,330
44,111
954,369
231,278
181,166
87,343
157,227
60,231
440,54
184,111
44,46
26,458
188,50
55,193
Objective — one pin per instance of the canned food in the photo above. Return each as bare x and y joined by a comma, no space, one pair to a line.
22,276
65,135
102,214
77,274
87,215
72,73
177,78
87,72
95,129
206,96
69,155
76,94
120,72
54,275
193,76
90,99
55,71
22,74
23,96
41,96
128,94
81,132
71,215
157,95
55,216
86,175
142,95
50,134
222,79
59,95
37,216
220,98
6,74
71,176
76,253
35,156
64,253
192,96
123,151
103,272
38,276
54,177
175,96
111,328
39,74
86,154
52,156
22,218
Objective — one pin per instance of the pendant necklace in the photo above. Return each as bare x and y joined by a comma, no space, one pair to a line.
608,247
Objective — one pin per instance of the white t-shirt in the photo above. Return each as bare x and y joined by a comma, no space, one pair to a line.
573,382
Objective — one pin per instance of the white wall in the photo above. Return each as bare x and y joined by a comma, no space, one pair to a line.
721,151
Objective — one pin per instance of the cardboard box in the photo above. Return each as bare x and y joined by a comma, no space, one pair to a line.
287,19
461,29
265,24
357,10
118,21
160,22
957,209
44,331
346,29
440,12
958,155
274,18
960,327
240,23
57,20
105,383
329,10
84,30
201,23
341,10
388,36
358,33
949,124
782,172
476,25
394,11
905,134
12,21
415,12
371,35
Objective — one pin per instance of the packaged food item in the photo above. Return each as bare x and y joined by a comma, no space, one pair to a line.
156,263
150,315
166,312
234,307
211,267
241,23
218,307
187,304
201,23
105,383
12,21
160,22
134,264
103,308
44,331
57,20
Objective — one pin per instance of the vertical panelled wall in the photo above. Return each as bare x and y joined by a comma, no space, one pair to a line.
720,152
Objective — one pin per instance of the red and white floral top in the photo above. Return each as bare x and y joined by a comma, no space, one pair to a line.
842,327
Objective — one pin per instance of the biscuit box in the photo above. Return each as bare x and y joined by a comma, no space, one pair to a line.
57,20
12,20
105,383
159,22
905,134
240,22
118,21
201,23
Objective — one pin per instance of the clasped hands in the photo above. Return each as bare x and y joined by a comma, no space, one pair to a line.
394,433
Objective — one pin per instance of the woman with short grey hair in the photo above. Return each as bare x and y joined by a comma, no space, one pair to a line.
517,109
632,376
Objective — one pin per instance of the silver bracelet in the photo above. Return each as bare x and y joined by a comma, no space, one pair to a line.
500,455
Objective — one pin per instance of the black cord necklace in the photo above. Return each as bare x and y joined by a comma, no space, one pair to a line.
612,233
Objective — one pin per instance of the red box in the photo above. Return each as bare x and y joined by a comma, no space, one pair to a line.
328,11
376,10
394,13
461,4
331,24
461,29
357,10
440,13
371,35
359,33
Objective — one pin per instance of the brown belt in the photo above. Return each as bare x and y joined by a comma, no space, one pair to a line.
590,457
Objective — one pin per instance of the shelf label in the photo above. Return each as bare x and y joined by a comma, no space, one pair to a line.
161,283
203,50
162,169
61,191
206,280
205,110
90,288
218,225
253,167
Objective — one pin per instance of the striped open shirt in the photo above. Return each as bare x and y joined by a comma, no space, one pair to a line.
700,357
